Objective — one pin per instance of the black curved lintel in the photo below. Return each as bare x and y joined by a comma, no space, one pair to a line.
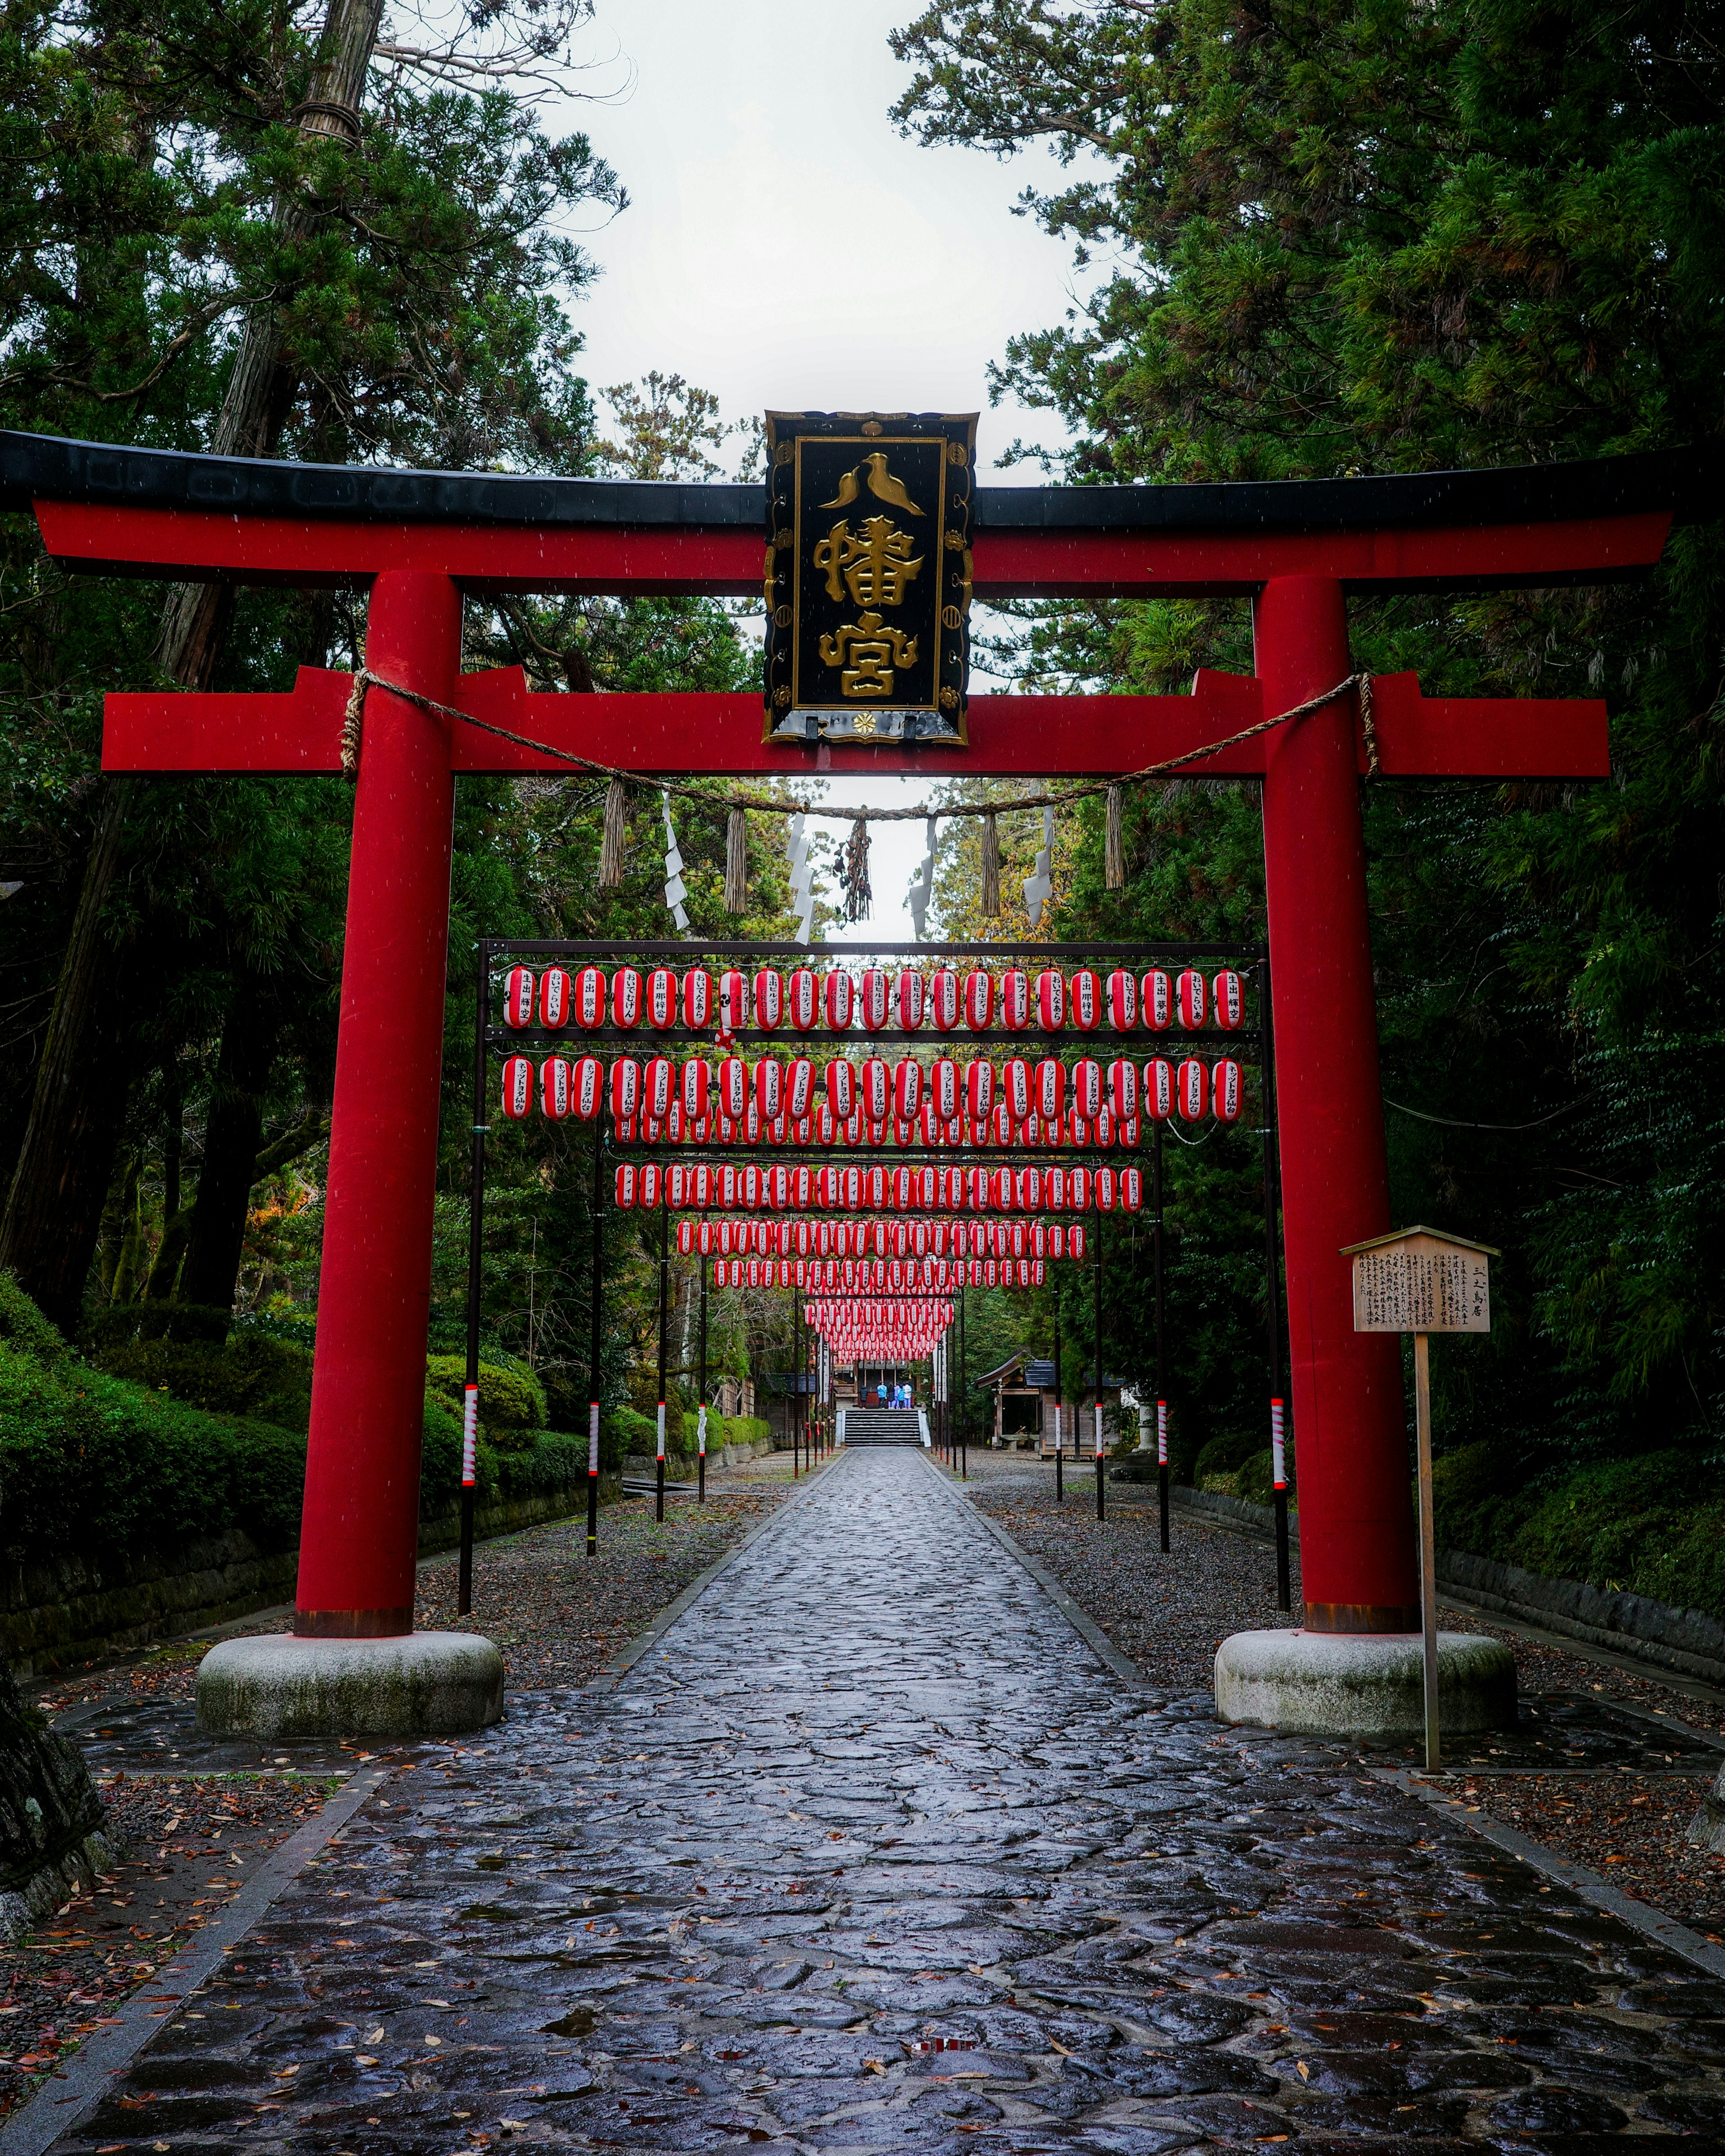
1685,482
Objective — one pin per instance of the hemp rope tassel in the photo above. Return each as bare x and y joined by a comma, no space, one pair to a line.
737,861
854,872
991,867
1113,852
1368,723
352,720
611,845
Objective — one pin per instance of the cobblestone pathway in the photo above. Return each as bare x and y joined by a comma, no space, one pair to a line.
871,1854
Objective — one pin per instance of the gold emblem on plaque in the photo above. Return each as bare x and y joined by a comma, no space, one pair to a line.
876,565
868,651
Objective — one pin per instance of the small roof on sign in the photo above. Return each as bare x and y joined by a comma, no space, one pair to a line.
1407,1235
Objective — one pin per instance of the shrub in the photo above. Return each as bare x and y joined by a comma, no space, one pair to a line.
623,1431
1225,1454
511,1399
737,1429
251,1376
23,1326
1255,1478
126,1322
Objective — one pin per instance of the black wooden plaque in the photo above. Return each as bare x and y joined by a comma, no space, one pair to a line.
868,574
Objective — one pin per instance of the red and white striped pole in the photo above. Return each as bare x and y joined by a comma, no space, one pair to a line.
1279,1477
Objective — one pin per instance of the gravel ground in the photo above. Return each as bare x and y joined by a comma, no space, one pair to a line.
1170,1614
194,1843
555,1616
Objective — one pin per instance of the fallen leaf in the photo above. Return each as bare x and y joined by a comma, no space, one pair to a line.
1303,2071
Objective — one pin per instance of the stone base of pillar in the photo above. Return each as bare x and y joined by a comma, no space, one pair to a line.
1353,1684
281,1690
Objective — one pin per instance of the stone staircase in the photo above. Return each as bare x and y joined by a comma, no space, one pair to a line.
881,1426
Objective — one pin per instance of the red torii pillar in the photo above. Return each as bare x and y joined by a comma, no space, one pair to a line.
1295,551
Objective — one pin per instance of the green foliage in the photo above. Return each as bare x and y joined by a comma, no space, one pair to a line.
737,1429
1653,1525
1224,1454
270,1379
511,1399
24,1328
1395,237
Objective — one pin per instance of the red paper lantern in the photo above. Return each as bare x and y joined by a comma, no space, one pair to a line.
733,1001
748,1185
1155,1001
697,1081
876,1090
703,1189
1018,1086
554,999
840,997
1083,998
750,1130
945,1092
853,1188
1191,1089
1087,1087
1123,1086
518,996
625,1089
661,998
517,1088
587,1087
554,1088
799,1088
943,998
1159,1089
1225,1091
876,1179
1228,1001
1000,1190
769,1001
910,1000
1050,1088
874,998
658,1086
906,1088
927,1191
729,1177
734,1088
976,1189
649,1188
1027,1189
1014,1000
1105,1189
1132,1189
688,1235
1077,1132
904,1190
841,1091
1121,998
802,1000
998,1130
626,998
778,1183
769,1086
1051,1001
1103,1126
802,1187
978,1000
697,1000
626,1185
1078,1190
1057,1229
1189,999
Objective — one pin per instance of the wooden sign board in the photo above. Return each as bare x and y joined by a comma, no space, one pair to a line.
1418,1280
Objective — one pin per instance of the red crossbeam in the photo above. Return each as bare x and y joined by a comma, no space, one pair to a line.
727,562
1440,736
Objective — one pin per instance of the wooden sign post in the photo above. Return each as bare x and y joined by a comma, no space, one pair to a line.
1420,1281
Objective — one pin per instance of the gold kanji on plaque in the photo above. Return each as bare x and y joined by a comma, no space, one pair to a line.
876,565
868,651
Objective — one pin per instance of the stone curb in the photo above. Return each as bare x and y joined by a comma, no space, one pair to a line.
64,2101
1100,1644
621,1663
1663,1931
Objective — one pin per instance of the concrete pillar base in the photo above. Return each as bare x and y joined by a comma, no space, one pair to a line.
1353,1684
280,1689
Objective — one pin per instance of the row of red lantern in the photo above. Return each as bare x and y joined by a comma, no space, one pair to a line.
881,1239
895,1276
871,1092
749,1187
874,999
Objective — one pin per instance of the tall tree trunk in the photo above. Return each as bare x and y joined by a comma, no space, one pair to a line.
233,1134
72,1105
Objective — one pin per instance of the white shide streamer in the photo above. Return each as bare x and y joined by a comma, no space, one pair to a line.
1039,886
675,890
922,890
802,878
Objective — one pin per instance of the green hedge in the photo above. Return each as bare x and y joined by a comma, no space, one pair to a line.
251,1376
97,1463
511,1399
1653,1525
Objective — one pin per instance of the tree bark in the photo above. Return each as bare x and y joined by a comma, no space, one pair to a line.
60,1182
233,1135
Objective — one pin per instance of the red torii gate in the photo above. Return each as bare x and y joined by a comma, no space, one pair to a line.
1297,549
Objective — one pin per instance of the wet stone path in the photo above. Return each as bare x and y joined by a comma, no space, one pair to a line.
872,1854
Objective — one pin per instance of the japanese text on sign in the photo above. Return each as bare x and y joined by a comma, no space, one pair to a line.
1421,1292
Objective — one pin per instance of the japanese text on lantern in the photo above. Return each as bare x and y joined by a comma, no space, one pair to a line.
1421,1292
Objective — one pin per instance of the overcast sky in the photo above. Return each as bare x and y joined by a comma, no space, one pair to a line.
786,248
